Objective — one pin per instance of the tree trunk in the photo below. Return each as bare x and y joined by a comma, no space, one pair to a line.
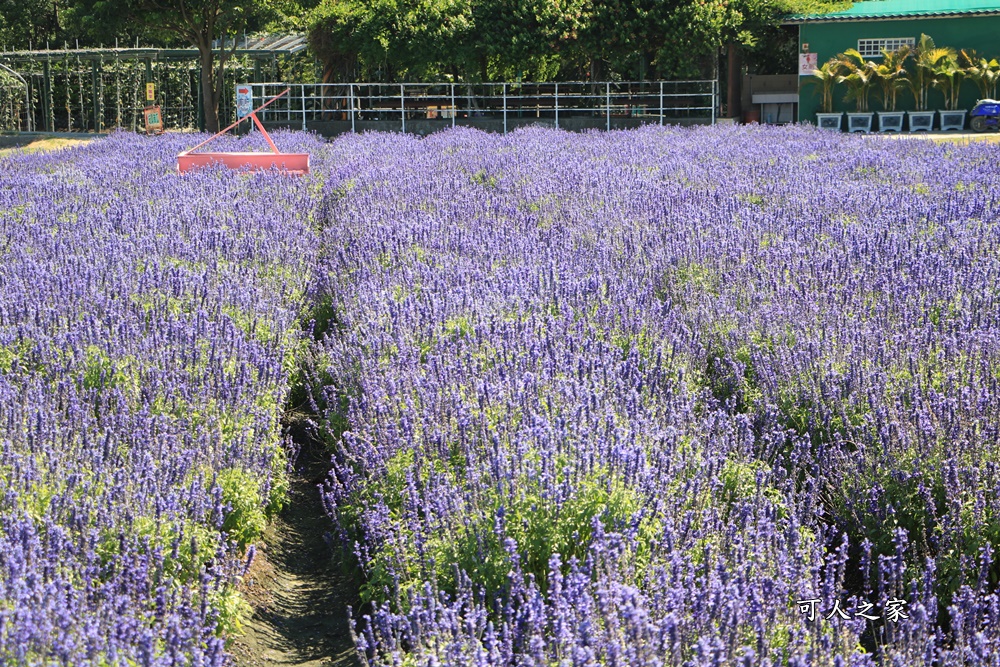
734,80
209,96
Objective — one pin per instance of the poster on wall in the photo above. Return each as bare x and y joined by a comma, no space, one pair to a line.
807,63
244,101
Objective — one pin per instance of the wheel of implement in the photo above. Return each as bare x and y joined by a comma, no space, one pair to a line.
978,124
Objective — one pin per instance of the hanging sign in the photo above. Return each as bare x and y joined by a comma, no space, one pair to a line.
154,119
244,101
150,92
807,63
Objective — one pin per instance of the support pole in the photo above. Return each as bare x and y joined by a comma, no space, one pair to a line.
557,105
47,96
453,109
118,93
302,89
661,103
31,99
402,106
94,76
715,99
350,101
607,100
69,93
504,108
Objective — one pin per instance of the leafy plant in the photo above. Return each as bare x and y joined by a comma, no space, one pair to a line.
985,74
927,57
826,77
245,520
891,75
948,76
858,75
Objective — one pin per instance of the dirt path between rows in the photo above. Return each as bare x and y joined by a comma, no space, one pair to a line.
298,590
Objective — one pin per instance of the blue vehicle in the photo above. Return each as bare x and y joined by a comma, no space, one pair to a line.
985,116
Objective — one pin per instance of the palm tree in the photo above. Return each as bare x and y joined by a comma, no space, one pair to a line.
826,77
982,72
948,76
927,58
891,75
859,75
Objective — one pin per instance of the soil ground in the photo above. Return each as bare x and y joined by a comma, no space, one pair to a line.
297,588
44,144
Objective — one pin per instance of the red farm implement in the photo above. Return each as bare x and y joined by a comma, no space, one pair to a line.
292,163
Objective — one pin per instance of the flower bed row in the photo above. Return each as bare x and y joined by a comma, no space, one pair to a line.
608,399
147,324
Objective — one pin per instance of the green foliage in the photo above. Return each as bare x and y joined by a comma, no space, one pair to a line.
246,519
196,545
538,525
826,77
325,316
948,76
101,372
486,180
13,353
787,7
689,277
250,323
859,75
739,483
912,494
984,73
891,75
25,23
232,610
927,58
538,40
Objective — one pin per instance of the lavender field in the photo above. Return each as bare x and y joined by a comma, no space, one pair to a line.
719,396
148,332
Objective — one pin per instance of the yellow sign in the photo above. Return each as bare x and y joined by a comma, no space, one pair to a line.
150,92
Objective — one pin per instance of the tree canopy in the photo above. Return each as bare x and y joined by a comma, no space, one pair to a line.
481,40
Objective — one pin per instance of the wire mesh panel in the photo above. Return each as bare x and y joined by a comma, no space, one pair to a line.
69,93
503,105
66,92
13,102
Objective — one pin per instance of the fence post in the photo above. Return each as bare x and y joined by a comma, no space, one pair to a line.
557,105
453,109
714,99
402,106
96,88
504,108
350,101
607,103
302,90
661,103
46,94
118,92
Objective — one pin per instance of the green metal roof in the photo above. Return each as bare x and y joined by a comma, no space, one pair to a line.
253,46
895,9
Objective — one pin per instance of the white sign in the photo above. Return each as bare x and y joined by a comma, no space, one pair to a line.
807,63
244,101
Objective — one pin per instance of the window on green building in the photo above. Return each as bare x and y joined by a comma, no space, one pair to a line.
872,48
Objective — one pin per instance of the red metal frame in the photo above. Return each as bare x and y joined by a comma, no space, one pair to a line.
292,163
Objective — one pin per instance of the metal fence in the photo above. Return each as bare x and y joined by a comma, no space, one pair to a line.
510,103
66,93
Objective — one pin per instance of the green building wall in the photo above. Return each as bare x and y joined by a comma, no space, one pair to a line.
981,33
